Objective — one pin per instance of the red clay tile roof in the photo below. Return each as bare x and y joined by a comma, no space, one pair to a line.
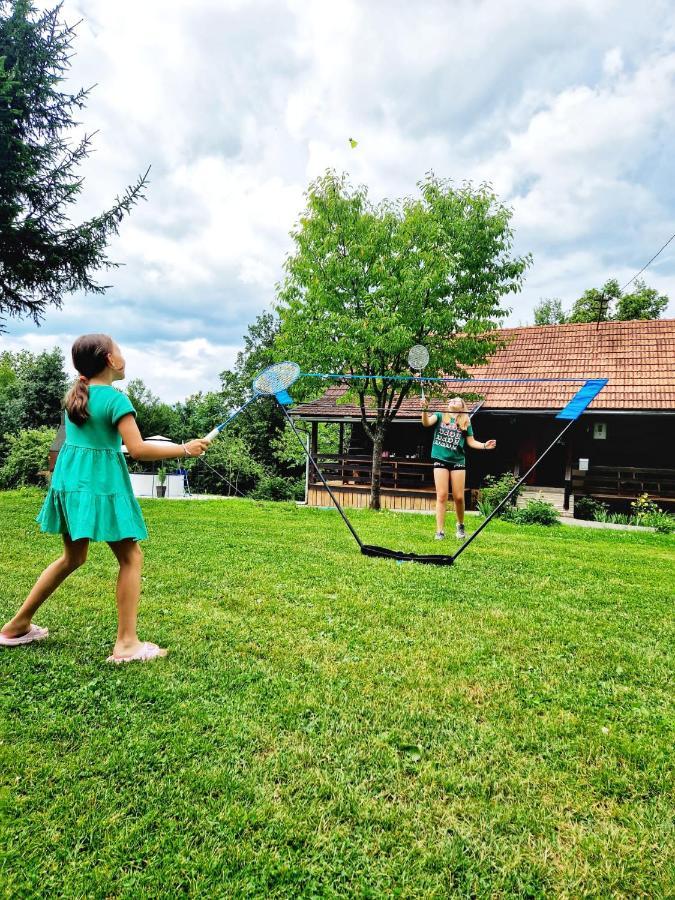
637,357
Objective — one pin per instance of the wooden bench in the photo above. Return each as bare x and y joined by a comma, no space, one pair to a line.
625,483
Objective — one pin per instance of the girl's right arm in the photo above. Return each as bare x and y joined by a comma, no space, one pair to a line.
145,450
427,419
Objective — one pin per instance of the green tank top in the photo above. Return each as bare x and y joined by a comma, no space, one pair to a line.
449,441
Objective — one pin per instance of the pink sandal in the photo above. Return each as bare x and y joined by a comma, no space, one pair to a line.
34,633
145,652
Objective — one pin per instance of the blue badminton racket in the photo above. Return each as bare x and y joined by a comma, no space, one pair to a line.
274,381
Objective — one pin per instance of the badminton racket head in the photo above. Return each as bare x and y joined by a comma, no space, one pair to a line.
418,357
276,378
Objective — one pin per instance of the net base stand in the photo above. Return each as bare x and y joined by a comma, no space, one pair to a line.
433,559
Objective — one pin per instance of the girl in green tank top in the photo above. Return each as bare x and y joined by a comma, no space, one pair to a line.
452,433
90,496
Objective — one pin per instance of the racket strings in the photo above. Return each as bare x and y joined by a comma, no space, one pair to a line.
276,378
418,357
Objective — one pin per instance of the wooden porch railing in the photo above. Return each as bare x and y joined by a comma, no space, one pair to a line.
625,483
397,473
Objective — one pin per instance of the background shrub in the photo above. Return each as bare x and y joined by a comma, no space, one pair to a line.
275,487
494,490
662,521
588,508
537,512
27,455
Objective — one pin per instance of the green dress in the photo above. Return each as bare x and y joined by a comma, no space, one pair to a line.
90,495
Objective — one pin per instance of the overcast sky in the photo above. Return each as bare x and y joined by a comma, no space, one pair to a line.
566,107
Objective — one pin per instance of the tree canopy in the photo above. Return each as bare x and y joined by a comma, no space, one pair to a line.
608,303
32,387
43,255
368,281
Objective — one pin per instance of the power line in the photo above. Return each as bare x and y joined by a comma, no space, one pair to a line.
648,264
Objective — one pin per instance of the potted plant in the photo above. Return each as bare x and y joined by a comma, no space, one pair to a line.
161,478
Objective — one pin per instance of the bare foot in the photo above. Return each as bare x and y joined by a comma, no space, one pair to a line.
15,629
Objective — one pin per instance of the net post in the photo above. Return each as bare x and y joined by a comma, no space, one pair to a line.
510,494
320,474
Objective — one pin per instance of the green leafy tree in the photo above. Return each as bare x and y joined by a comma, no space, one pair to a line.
42,383
263,424
605,304
367,282
32,387
43,255
27,457
549,311
232,467
10,403
642,303
199,413
595,305
258,353
152,415
7,373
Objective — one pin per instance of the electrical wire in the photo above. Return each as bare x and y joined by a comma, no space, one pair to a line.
648,264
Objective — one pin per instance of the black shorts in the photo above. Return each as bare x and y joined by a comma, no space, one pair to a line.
451,467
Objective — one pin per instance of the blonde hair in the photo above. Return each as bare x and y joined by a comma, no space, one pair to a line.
462,417
90,357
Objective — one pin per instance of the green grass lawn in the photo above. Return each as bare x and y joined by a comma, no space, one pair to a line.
328,725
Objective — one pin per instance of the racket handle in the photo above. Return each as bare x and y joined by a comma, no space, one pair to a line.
216,431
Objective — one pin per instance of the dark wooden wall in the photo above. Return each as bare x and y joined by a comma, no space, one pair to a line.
632,440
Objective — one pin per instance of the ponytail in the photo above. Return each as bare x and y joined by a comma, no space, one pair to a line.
76,402
90,357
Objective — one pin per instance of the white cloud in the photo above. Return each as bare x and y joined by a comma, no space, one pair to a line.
176,369
171,369
612,64
565,107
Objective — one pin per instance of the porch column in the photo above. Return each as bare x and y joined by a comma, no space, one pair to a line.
569,461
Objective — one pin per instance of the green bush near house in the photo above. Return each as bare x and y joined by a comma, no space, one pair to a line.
535,512
660,521
644,511
275,487
494,490
588,508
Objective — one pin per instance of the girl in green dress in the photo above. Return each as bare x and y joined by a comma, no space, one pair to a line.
90,497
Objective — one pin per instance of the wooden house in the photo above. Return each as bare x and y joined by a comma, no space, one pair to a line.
623,445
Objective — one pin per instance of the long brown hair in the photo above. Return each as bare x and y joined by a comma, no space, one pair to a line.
90,357
461,418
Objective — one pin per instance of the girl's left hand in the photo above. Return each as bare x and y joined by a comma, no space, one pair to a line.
490,445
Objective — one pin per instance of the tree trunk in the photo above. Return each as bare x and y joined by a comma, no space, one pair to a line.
378,443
